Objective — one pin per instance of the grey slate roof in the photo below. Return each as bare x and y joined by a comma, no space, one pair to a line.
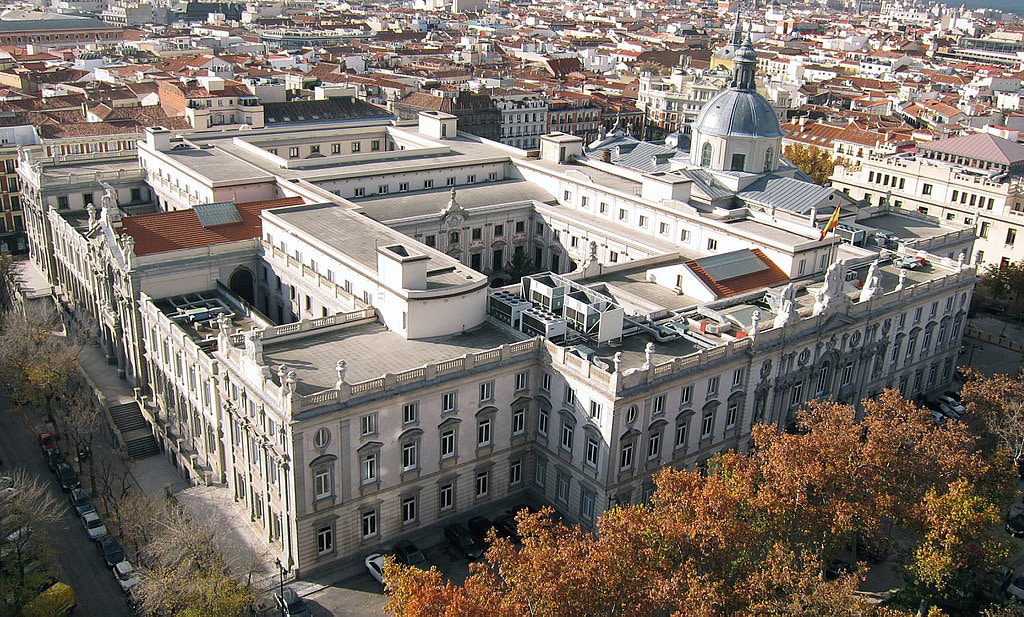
635,154
328,110
738,112
32,21
786,193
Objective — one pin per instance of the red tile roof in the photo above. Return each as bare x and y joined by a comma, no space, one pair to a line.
773,275
181,229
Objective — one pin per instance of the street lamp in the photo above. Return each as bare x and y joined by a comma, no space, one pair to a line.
280,571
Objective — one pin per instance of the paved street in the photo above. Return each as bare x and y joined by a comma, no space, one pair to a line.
78,562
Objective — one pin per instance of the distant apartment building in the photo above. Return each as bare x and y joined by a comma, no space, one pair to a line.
975,180
524,118
477,113
577,115
671,103
211,101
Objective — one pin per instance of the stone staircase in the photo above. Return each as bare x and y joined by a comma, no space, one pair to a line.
135,431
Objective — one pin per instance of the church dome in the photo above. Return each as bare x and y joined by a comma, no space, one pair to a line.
736,112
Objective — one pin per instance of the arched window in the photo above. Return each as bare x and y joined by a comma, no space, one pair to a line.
768,159
705,155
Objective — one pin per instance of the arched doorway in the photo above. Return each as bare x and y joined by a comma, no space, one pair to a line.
241,284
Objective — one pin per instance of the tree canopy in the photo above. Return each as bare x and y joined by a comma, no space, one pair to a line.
814,162
756,533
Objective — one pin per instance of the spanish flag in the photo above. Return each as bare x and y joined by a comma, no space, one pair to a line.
832,222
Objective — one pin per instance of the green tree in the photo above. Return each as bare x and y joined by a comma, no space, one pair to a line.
519,266
1005,283
816,163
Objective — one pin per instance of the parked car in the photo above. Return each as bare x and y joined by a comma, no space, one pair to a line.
522,506
911,263
948,411
505,526
479,526
126,576
1015,525
110,550
47,442
463,541
67,477
54,459
80,501
292,604
406,552
375,564
952,403
937,416
93,525
1016,587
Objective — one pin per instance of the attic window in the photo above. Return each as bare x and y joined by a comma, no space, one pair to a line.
218,213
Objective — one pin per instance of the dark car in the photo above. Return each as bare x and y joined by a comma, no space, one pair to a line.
505,526
522,506
463,541
67,478
479,526
80,501
292,604
47,442
406,552
54,459
1015,525
111,551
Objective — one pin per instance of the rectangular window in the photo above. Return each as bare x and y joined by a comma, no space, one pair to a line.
403,187
409,455
428,184
663,229
539,473
322,483
654,446
567,433
486,391
643,221
713,386
731,414
682,430
446,496
593,451
448,401
369,468
563,488
587,505
369,523
658,404
360,191
382,189
368,424
1011,236
737,377
335,148
595,410
685,394
796,394
519,421
481,483
356,146
483,432
448,443
626,456
712,244
450,181
522,381
847,373
822,379
375,145
545,382
324,540
409,510
542,422
515,472
410,412
707,424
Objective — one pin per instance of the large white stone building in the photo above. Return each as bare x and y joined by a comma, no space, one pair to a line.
975,180
311,316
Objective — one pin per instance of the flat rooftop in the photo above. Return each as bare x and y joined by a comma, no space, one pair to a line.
357,237
371,350
397,206
906,227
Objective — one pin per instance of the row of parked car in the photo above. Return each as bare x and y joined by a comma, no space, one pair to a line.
469,540
108,546
946,407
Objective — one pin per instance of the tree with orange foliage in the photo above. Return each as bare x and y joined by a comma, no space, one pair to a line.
752,536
